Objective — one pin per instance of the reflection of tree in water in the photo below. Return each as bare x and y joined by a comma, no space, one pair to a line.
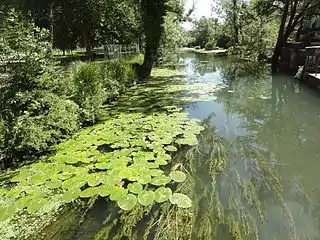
287,126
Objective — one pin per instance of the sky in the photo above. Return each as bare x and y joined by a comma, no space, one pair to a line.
202,8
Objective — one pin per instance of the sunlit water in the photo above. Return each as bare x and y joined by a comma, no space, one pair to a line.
252,109
279,116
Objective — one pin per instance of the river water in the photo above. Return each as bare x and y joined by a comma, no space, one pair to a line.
268,188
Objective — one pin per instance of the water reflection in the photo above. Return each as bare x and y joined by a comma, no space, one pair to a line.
277,116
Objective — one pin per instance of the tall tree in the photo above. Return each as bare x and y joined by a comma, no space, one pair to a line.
292,14
153,13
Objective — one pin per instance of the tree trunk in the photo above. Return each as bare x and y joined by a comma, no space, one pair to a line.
235,22
153,13
281,38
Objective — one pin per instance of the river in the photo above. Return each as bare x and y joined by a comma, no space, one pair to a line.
266,189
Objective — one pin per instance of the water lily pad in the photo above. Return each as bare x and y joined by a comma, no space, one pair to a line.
155,172
7,212
89,192
146,198
178,176
162,194
23,202
2,192
102,166
19,178
165,157
160,181
135,188
38,179
14,193
127,203
69,184
171,148
144,179
181,200
105,190
118,193
93,180
66,175
53,184
71,195
36,205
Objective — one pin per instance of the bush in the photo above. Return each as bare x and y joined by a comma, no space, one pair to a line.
47,120
89,91
96,83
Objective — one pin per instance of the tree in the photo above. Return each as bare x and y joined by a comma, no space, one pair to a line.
204,31
292,13
153,13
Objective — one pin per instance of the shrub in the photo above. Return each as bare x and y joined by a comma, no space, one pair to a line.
56,80
89,91
47,120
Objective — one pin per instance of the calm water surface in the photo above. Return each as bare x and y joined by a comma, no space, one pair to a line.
270,114
281,118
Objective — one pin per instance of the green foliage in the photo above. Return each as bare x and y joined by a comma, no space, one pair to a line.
224,41
89,93
173,36
210,46
24,48
47,119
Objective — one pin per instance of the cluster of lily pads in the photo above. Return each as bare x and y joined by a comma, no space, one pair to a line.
125,159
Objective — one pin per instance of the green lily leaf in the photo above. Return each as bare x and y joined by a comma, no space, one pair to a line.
155,172
105,190
118,193
171,148
102,166
178,176
2,192
53,184
69,184
38,180
23,202
71,195
162,194
144,179
135,188
146,198
14,193
36,205
127,203
161,162
93,180
181,200
89,192
160,181
7,212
